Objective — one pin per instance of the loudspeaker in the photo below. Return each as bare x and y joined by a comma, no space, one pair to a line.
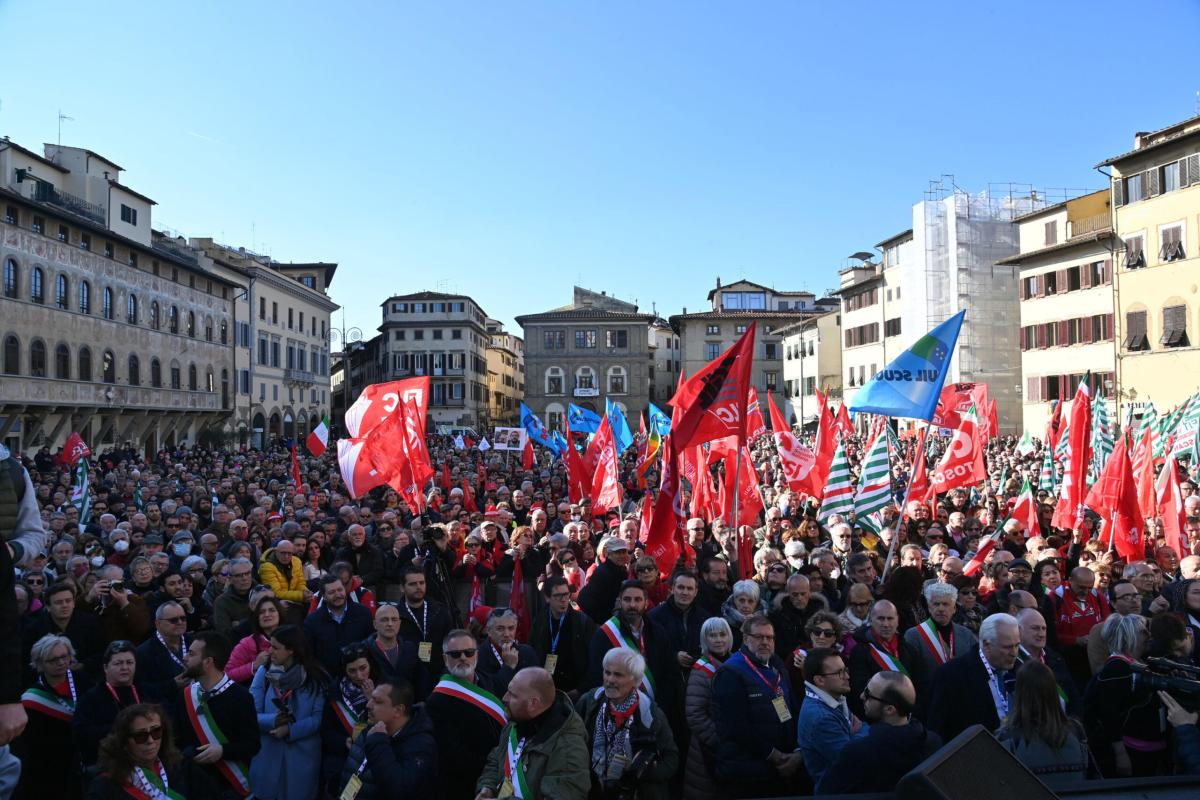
972,765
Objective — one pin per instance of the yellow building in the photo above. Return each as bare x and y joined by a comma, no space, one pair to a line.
1156,211
1066,293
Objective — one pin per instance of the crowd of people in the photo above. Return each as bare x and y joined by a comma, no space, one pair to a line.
213,630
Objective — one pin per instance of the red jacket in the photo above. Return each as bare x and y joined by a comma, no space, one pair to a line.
1071,620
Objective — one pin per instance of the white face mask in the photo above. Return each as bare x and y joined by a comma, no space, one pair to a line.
120,545
182,550
97,561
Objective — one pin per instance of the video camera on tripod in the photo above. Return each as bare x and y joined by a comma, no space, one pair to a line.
1181,681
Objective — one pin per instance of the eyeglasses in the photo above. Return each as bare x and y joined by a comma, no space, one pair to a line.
567,561
468,652
154,732
245,574
560,596
822,632
777,568
866,695
175,620
842,671
1128,595
647,569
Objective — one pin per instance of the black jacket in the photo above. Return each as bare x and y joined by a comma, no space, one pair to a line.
890,751
748,729
96,711
367,562
10,634
465,736
499,673
234,712
83,629
598,597
327,636
573,642
401,766
186,778
790,624
961,698
660,661
407,665
436,628
863,667
157,670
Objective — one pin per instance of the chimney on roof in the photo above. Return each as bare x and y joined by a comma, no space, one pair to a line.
718,281
685,309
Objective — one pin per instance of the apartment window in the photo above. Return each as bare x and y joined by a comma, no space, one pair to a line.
132,259
276,355
1133,188
456,333
712,330
39,225
616,380
1135,255
37,290
585,378
1050,282
191,324
399,336
131,310
850,378
437,333
62,362
11,286
554,380
617,339
85,364
554,340
244,381
1051,232
243,329
585,339
740,328
291,319
290,363
60,292
135,371
156,373
1096,273
1135,331
1169,176
108,367
770,350
108,249
771,380
1174,327
891,327
274,313
37,358
10,215
64,233
262,308
309,281
128,215
224,332
418,335
1171,248
711,350
263,351
106,303
418,308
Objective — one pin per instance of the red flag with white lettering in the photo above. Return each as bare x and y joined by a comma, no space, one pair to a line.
606,480
796,459
713,403
379,400
755,426
962,465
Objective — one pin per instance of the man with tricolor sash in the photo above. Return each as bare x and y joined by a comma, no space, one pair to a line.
541,752
879,649
466,716
1033,647
218,726
939,638
629,627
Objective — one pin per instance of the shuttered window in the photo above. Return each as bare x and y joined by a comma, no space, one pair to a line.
1174,327
1135,331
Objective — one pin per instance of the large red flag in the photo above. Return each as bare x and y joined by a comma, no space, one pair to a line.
1114,498
606,480
578,481
73,450
379,400
750,503
755,426
419,468
1170,508
827,438
956,399
665,534
993,420
384,446
920,488
1074,486
1143,472
1054,426
446,484
296,469
713,403
358,472
796,459
844,425
468,502
962,465
527,455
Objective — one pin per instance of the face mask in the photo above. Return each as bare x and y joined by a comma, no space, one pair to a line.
120,545
182,550
97,561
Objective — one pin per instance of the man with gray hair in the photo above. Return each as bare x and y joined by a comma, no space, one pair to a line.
501,656
976,688
938,639
161,658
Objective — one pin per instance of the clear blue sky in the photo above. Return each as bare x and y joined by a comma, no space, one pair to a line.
511,149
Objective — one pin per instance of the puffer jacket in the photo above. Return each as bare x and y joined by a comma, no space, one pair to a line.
286,588
404,765
699,782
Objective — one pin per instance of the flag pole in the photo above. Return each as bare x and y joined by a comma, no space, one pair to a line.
737,529
887,565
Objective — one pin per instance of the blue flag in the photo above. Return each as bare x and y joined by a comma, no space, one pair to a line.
582,420
536,430
659,421
560,442
911,385
620,428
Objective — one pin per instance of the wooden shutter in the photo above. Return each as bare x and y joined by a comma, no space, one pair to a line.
1085,276
1064,281
1108,326
1151,183
1106,276
1064,332
1033,388
1021,290
1041,285
1193,169
1118,191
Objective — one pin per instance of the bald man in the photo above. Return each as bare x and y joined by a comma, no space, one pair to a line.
550,738
880,648
894,744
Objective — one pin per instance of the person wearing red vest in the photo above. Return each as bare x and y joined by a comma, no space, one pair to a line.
1078,607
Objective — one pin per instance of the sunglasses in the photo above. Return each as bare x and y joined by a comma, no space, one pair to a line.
473,545
566,561
175,620
354,652
465,653
821,632
154,732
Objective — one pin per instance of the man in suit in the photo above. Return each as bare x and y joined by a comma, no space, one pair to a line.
879,649
976,689
938,639
501,656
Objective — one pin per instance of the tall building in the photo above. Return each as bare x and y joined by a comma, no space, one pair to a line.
1156,212
282,386
357,365
664,362
443,336
870,294
107,329
506,375
704,335
594,348
812,360
1066,302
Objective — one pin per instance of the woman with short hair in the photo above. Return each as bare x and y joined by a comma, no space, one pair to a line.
744,602
51,766
716,643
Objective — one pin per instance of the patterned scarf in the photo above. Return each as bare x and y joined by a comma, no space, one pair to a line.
611,750
354,696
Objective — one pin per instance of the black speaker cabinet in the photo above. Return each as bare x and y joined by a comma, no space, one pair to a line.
972,765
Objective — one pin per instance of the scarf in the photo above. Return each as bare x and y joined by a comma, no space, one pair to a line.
611,750
354,696
286,681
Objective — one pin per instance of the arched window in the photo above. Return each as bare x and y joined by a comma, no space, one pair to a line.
131,309
175,379
155,373
12,355
37,291
62,362
37,358
585,378
11,284
85,297
106,307
173,319
554,380
554,416
191,324
208,329
617,380
135,371
61,293
154,320
85,364
192,381
224,332
108,367
209,382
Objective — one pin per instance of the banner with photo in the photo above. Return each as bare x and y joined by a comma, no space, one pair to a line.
509,439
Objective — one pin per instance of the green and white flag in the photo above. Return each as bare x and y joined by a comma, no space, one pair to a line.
839,488
874,485
81,498
1025,447
1046,480
1102,434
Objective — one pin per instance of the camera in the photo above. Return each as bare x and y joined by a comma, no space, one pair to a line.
117,587
1176,679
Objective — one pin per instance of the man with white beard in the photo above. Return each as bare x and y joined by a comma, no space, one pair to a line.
466,716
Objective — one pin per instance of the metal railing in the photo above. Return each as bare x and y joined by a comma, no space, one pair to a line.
299,376
46,193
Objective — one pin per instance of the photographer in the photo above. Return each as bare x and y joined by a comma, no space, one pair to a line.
123,615
632,751
1187,735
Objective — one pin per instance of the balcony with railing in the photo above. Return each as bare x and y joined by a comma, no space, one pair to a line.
46,193
1093,224
299,376
58,392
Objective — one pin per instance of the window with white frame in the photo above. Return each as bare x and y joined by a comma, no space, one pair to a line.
617,380
585,378
554,380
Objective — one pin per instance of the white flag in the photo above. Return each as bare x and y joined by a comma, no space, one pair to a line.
459,444
483,444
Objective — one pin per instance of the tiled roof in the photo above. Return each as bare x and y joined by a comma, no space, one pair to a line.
582,314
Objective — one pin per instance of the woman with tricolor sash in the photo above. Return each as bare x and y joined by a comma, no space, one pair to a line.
716,643
345,714
50,765
139,760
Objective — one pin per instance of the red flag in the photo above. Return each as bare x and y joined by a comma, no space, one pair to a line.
446,484
713,402
1143,471
527,455
1025,510
844,425
796,459
665,534
296,469
468,503
985,547
383,446
921,489
1074,485
379,400
418,470
469,442
750,503
578,481
519,603
1170,508
957,398
1053,427
647,513
755,426
606,480
1114,497
962,465
358,472
73,450
826,446
993,420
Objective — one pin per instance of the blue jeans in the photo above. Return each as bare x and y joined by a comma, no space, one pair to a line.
10,772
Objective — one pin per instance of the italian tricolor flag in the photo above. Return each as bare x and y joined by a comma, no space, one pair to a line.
318,440
1026,511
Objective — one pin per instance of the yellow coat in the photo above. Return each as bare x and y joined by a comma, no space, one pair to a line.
272,576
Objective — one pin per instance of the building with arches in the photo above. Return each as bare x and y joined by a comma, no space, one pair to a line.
595,348
100,317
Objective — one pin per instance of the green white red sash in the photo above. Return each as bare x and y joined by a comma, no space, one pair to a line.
208,732
885,660
345,714
143,784
704,665
941,650
512,765
612,630
484,700
49,703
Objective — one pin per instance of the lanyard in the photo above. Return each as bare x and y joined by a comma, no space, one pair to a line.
424,623
558,633
776,686
116,698
999,696
178,659
383,650
70,687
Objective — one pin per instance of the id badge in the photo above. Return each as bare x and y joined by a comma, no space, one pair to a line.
353,787
425,651
781,709
551,662
506,789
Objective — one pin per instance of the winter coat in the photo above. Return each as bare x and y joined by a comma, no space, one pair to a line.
398,767
556,761
649,730
240,666
287,587
699,782
877,761
822,732
287,769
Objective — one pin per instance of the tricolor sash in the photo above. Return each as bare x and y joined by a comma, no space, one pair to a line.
345,714
513,773
941,650
886,661
143,784
482,699
612,630
49,703
704,665
205,726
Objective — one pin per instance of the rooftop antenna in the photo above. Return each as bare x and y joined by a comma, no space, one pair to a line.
61,118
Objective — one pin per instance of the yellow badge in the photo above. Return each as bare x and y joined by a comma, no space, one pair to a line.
353,787
425,651
506,789
551,662
781,709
